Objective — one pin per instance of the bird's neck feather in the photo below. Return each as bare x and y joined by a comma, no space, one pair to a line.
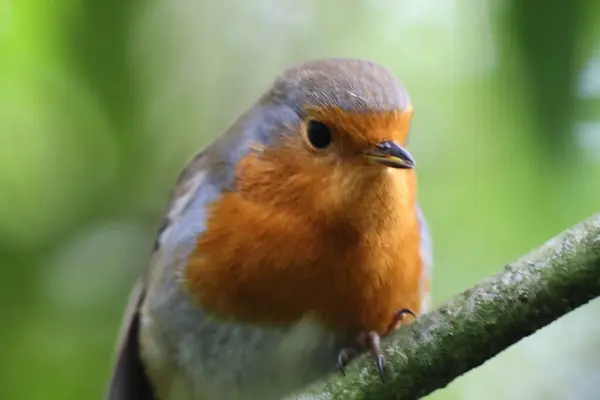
366,197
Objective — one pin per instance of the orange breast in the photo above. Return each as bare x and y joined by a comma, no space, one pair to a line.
272,266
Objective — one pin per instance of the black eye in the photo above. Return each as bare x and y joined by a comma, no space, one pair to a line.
318,134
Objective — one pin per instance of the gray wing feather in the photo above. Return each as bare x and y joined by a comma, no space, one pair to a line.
426,252
128,380
426,249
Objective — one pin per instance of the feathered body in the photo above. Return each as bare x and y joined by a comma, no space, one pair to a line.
275,254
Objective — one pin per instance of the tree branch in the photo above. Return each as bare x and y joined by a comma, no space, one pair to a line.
443,344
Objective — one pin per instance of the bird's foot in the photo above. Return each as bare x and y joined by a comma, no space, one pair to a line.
398,318
371,341
365,341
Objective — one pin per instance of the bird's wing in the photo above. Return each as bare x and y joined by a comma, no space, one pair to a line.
426,252
128,381
203,179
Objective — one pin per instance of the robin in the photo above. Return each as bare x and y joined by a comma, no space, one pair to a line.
291,243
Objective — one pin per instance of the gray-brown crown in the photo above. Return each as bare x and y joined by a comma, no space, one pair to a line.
349,84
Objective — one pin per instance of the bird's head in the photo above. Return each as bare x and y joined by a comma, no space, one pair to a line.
328,131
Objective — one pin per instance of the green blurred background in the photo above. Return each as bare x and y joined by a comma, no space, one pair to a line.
102,102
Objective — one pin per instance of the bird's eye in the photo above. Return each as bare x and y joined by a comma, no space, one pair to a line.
318,134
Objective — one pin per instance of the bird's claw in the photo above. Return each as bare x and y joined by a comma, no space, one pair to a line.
371,341
344,356
365,341
398,318
380,364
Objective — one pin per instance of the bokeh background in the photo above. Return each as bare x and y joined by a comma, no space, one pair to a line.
102,103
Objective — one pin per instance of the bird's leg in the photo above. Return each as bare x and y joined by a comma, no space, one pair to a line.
372,341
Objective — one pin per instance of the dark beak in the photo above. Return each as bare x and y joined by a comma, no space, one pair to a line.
391,154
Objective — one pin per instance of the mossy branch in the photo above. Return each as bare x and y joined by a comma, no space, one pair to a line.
473,327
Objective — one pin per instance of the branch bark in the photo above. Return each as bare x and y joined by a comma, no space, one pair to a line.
443,344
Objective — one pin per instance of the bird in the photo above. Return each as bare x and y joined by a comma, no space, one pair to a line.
291,243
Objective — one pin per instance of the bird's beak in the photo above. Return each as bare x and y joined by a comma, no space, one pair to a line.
391,154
